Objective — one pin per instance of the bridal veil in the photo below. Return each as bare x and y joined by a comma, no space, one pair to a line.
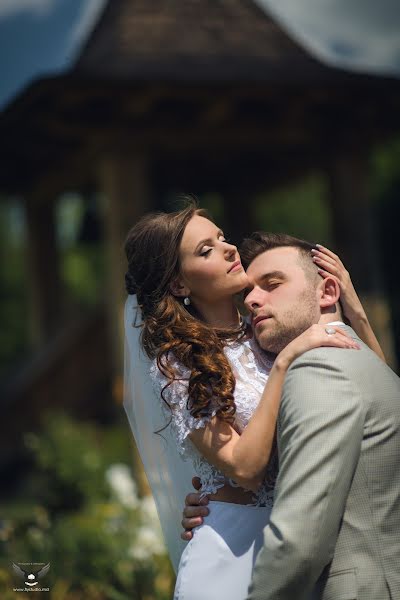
168,475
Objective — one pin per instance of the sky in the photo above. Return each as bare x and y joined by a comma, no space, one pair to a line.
359,35
41,37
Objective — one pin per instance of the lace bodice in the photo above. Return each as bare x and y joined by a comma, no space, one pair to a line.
250,367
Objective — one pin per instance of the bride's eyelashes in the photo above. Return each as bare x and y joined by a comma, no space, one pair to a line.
207,252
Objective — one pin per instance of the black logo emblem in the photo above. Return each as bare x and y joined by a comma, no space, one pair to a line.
31,578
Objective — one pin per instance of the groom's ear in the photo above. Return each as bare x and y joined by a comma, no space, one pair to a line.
329,292
179,289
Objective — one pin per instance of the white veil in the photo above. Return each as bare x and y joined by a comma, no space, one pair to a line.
169,476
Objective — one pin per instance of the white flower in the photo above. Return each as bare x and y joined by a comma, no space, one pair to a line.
149,540
147,544
150,537
123,486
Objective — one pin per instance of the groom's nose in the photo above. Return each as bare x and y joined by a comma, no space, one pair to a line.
253,300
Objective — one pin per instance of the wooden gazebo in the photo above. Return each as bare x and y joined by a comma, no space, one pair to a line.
200,96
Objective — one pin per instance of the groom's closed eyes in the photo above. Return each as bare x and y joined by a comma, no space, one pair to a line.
268,281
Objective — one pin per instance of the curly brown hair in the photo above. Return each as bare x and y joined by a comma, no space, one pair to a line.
169,327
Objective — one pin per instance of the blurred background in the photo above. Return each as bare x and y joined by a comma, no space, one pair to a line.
112,109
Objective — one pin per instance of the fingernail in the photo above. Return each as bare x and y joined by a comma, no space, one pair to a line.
315,258
313,250
318,246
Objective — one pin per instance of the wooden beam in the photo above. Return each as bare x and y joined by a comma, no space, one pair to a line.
218,110
43,276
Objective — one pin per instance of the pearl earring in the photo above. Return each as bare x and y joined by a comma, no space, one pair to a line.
186,301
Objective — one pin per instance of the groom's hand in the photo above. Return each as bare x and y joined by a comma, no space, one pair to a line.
195,509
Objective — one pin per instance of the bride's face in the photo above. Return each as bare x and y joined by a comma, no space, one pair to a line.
211,270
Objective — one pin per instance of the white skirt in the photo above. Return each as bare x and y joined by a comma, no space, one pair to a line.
217,563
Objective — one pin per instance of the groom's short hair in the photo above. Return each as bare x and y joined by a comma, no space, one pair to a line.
261,241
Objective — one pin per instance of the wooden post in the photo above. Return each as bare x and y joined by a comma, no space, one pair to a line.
125,188
43,277
124,184
356,241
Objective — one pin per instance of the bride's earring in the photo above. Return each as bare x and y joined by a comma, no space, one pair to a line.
186,301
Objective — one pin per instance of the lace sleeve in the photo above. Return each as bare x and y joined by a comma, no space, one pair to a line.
176,395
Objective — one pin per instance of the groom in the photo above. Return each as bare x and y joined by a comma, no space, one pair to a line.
335,525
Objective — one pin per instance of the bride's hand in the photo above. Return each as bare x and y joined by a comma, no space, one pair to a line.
330,264
314,337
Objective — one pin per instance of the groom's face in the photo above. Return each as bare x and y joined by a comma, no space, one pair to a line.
282,299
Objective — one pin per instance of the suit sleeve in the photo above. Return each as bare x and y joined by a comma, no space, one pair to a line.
320,432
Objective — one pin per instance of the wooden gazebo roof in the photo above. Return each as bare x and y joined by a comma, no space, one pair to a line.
193,41
212,77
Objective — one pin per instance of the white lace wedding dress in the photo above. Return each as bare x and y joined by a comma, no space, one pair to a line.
217,563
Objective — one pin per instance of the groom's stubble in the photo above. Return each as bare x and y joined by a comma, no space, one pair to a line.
284,327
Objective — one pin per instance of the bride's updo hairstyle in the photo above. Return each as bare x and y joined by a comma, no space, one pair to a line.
169,327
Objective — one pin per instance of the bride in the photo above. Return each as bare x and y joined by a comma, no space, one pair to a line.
201,396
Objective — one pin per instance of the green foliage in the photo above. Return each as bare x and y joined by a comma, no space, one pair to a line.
81,263
385,176
298,209
385,168
214,203
79,510
82,271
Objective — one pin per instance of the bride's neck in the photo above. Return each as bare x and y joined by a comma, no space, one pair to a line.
221,314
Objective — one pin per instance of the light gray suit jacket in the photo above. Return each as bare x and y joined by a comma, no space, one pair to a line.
334,532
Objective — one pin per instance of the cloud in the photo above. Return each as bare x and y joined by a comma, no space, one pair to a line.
355,34
91,11
36,7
